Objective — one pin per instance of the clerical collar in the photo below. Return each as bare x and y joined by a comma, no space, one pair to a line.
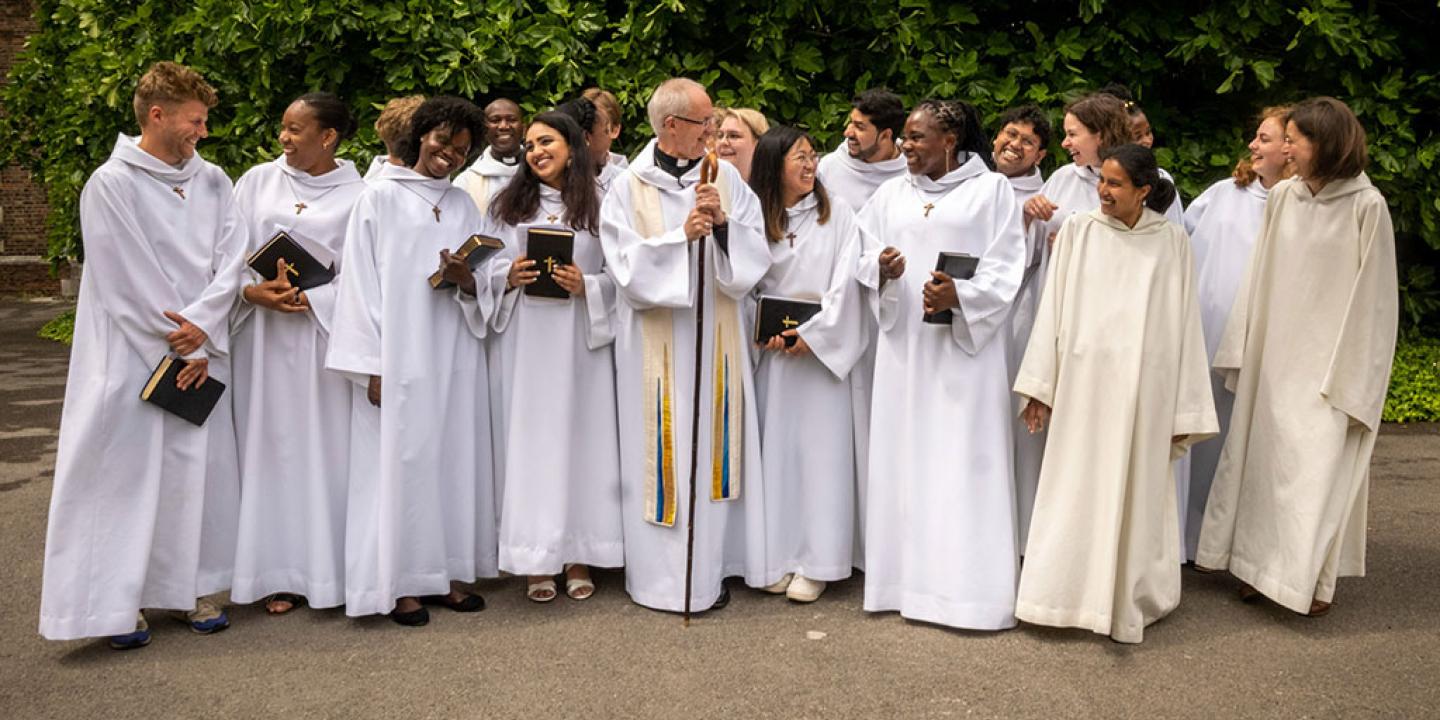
515,160
676,167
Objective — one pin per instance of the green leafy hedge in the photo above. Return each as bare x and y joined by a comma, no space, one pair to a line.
1414,381
1200,69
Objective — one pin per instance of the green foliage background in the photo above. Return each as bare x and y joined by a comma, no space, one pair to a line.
1200,69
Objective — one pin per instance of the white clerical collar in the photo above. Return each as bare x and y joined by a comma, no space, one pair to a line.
972,167
884,167
343,173
487,165
645,169
127,150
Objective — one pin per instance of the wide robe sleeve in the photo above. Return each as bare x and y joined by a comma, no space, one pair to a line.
497,270
882,299
480,309
599,309
1040,369
1194,215
1230,354
130,286
1359,373
835,334
211,311
355,340
985,298
746,257
648,271
1194,418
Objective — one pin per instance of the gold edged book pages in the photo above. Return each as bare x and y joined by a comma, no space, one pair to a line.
473,251
193,405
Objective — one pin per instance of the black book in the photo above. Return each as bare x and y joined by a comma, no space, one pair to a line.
305,271
777,314
194,405
474,251
549,248
958,266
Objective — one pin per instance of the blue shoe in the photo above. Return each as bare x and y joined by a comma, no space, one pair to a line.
207,617
131,641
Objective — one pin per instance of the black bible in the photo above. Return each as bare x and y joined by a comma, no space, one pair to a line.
549,248
305,271
474,251
193,405
958,266
776,315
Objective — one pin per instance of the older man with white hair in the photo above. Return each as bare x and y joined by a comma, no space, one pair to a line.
684,253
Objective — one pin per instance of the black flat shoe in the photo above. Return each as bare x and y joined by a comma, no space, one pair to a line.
469,604
723,600
414,618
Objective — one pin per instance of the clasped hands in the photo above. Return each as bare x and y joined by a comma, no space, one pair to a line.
706,214
186,339
937,295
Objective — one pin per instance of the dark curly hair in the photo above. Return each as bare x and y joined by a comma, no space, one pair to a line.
959,118
444,111
1032,116
520,199
582,110
884,108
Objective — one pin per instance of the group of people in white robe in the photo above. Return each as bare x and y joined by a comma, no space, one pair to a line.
1034,438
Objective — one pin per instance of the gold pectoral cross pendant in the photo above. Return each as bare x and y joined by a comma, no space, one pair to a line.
791,238
178,191
928,208
436,208
300,207
551,218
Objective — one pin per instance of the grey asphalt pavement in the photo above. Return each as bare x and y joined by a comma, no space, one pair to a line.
1376,655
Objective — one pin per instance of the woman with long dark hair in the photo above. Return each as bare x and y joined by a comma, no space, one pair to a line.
560,468
1120,367
940,530
290,412
1307,351
802,380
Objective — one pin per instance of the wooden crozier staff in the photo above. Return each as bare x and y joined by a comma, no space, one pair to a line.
709,169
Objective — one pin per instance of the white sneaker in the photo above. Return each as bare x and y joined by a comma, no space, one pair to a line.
779,587
805,590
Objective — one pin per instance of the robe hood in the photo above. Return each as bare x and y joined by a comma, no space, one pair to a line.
805,205
1030,182
1150,222
884,167
972,167
343,174
1333,190
406,175
127,150
487,165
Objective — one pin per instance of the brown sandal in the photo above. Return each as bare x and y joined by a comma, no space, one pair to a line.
1319,608
1248,593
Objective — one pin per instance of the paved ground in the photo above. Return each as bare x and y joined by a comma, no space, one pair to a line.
1376,655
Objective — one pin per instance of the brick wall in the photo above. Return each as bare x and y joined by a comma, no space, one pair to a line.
22,230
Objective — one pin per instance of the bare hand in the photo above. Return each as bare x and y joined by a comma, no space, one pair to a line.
892,264
800,347
707,200
522,272
188,338
457,271
939,293
774,344
1050,242
571,279
195,372
372,391
302,301
278,294
1039,208
1035,416
698,224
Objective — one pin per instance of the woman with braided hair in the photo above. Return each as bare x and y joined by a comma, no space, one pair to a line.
940,524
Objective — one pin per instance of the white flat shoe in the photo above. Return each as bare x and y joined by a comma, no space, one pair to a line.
779,587
805,590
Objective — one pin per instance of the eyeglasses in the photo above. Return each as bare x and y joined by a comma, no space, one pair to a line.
707,122
804,158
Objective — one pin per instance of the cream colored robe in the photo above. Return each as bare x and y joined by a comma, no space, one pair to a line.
1118,354
1307,353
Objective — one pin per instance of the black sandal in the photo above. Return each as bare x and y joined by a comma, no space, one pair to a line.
295,601
468,604
414,618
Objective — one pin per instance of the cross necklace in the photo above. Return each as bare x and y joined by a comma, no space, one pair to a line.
434,207
551,216
300,205
177,188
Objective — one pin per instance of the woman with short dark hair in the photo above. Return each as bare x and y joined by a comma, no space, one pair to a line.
1119,369
1307,351
421,503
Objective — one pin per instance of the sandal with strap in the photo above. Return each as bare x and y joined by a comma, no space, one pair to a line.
541,592
291,601
578,588
1319,608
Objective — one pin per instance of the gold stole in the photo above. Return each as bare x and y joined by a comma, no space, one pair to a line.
479,192
728,399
